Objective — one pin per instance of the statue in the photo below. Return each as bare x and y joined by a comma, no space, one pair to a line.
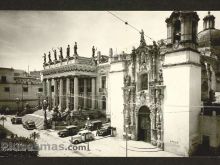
75,48
61,54
49,57
160,75
55,54
45,58
68,51
127,80
142,41
93,51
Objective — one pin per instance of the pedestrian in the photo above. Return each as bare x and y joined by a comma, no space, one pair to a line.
97,132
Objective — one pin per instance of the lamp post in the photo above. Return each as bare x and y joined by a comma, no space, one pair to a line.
88,122
39,100
126,139
17,102
45,113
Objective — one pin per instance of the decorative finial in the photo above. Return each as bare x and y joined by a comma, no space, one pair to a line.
142,41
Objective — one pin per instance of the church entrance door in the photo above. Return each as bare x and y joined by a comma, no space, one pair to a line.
144,124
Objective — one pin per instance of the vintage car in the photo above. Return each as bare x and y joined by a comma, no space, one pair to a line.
69,131
30,125
93,125
16,120
104,131
82,136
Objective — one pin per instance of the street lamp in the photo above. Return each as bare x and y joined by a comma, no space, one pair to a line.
39,95
45,113
126,139
17,102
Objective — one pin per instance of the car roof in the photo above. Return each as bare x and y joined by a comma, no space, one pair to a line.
96,121
85,131
71,126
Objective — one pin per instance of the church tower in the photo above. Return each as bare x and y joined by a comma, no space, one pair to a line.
182,78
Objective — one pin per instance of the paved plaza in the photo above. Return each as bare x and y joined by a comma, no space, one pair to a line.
52,145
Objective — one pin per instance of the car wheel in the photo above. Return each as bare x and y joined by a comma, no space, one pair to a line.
76,142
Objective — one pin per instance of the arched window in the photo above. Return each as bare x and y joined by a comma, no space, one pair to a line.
144,81
177,31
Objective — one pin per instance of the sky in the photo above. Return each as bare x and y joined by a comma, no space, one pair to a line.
26,35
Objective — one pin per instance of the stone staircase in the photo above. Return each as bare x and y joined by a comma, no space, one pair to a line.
139,146
37,117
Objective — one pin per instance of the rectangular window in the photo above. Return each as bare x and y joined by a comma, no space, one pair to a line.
16,74
3,79
40,89
144,81
81,85
25,89
103,81
7,89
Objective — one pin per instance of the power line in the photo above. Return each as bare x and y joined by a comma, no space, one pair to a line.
126,23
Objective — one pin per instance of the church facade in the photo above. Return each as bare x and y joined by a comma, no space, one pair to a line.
155,93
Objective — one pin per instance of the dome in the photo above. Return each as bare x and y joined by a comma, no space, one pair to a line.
209,36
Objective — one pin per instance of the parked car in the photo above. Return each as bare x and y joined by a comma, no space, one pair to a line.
69,131
93,125
82,136
16,120
104,131
30,125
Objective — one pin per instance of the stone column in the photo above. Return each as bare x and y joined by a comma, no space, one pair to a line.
85,94
55,93
44,87
76,93
93,93
67,94
61,95
49,94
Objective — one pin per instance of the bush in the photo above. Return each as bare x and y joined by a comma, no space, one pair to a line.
18,147
4,132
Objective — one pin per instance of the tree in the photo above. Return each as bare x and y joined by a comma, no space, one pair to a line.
3,119
34,136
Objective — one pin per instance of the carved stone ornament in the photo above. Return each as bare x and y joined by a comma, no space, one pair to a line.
143,97
127,80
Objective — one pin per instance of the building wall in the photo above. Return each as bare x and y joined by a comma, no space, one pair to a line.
8,98
181,102
116,94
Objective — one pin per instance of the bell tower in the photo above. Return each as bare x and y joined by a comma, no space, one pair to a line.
182,29
182,78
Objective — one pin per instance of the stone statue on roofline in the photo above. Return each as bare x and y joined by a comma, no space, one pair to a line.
55,54
45,58
61,54
93,51
68,51
75,48
49,57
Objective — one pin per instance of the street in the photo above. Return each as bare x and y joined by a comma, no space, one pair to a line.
51,145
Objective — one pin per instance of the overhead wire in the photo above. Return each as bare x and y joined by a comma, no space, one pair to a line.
126,23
